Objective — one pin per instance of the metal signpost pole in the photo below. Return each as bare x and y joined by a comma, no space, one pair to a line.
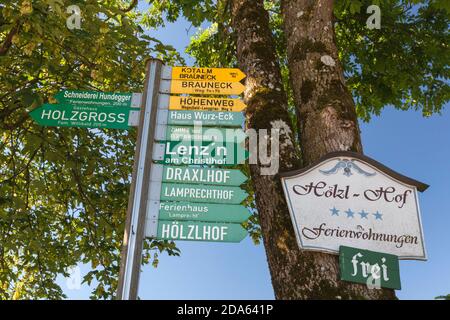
131,255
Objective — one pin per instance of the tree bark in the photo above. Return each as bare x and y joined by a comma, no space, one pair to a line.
267,108
327,118
327,122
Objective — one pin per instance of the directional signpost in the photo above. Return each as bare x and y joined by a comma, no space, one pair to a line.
200,153
203,87
201,231
225,177
89,109
96,98
174,195
199,203
195,211
206,104
206,118
131,253
82,116
202,193
208,74
198,133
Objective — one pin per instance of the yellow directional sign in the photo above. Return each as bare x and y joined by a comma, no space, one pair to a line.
206,104
206,87
207,74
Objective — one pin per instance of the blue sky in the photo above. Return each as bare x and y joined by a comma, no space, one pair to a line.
403,140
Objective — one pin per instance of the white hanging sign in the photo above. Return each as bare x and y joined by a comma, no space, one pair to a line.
347,199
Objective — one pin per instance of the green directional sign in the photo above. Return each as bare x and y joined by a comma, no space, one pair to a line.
200,133
193,211
81,116
203,153
207,118
200,231
373,268
96,98
226,177
202,193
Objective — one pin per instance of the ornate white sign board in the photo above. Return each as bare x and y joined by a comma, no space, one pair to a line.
347,199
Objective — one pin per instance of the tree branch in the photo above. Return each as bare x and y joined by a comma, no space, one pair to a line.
131,7
8,40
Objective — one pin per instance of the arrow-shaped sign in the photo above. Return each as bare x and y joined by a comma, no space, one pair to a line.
193,211
202,193
199,133
81,116
206,104
202,87
191,118
200,231
97,98
223,177
205,118
200,153
207,74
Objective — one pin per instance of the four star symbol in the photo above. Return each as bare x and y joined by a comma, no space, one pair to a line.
362,213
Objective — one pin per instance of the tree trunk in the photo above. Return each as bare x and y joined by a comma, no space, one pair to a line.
326,112
295,274
267,108
327,122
